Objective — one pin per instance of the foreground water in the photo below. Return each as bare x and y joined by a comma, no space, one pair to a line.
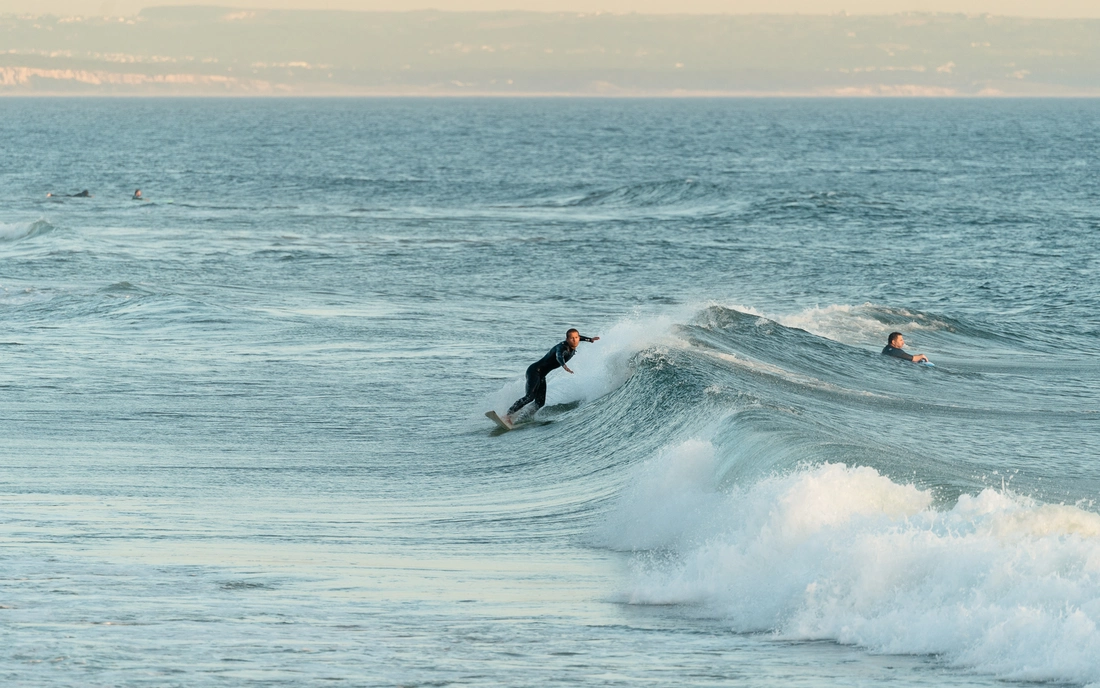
242,420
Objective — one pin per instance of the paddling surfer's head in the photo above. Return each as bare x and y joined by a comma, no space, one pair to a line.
896,340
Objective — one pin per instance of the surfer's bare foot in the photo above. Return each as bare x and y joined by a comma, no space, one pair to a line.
507,419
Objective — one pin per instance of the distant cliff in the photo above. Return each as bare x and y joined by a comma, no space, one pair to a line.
206,51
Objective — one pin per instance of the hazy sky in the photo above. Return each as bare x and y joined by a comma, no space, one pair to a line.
1028,8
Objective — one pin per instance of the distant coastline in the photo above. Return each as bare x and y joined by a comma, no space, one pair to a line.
204,51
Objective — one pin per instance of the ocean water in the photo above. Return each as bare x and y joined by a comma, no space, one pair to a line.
242,423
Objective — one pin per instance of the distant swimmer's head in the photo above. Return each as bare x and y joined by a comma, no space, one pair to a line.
137,194
896,340
572,337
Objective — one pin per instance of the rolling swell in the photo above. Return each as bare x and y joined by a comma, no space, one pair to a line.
652,194
690,195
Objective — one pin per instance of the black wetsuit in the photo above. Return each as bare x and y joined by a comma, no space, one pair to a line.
537,372
896,352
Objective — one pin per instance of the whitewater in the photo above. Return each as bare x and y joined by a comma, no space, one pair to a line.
244,440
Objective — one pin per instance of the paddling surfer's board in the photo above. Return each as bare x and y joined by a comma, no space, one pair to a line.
492,415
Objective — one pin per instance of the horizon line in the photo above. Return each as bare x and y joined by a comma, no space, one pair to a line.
431,10
549,95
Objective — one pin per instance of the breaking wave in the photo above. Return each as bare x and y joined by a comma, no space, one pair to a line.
16,231
777,473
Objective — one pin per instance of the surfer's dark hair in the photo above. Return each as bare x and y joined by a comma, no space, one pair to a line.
893,336
570,331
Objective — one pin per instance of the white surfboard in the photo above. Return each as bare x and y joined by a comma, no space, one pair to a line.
492,415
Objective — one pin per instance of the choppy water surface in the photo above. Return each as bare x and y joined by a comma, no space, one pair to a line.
243,440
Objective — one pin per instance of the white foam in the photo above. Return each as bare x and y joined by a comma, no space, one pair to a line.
997,583
858,325
670,500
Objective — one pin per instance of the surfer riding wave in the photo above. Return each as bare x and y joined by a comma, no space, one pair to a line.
558,357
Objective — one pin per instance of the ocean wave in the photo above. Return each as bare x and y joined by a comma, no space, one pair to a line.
16,231
609,363
674,192
827,204
818,355
831,349
995,582
125,288
771,397
859,324
867,325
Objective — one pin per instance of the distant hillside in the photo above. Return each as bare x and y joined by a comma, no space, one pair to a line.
199,50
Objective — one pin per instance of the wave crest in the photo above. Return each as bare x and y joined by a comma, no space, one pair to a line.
860,324
16,231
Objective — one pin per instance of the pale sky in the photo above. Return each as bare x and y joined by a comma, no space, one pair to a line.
1024,8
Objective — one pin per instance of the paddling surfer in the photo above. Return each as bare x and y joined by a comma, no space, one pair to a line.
895,344
535,390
